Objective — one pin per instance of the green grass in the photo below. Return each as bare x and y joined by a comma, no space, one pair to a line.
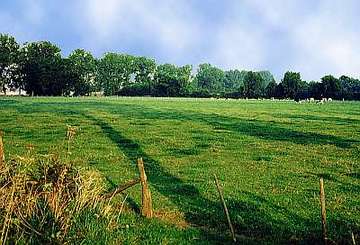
268,155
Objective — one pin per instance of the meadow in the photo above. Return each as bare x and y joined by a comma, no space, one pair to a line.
268,155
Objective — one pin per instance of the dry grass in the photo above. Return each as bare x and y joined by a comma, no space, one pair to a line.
175,217
42,197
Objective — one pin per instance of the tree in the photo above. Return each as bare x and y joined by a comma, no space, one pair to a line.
331,86
253,85
210,79
171,80
316,90
270,90
43,68
302,91
83,66
114,72
10,74
349,88
234,79
291,83
145,70
267,77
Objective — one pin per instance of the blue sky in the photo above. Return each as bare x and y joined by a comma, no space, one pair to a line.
312,37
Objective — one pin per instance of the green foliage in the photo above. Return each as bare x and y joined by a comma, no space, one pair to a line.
267,77
316,90
44,68
145,70
114,72
350,88
171,80
291,83
331,86
234,80
302,91
270,90
9,69
39,69
253,85
83,67
210,79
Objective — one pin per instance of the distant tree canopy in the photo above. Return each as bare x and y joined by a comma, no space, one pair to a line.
43,69
83,72
171,80
210,80
40,69
254,85
9,69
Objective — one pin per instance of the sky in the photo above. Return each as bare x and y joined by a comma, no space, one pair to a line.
314,37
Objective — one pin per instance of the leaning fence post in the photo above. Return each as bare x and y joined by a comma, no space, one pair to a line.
2,155
146,207
226,211
323,210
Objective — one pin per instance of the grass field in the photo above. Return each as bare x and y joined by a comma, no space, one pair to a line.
268,155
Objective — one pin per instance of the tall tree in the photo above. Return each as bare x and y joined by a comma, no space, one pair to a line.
42,66
331,86
253,85
145,70
267,77
83,66
270,90
114,72
10,73
302,91
316,90
234,79
210,79
171,80
349,88
291,83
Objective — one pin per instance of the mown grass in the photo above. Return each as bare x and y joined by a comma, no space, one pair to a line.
268,155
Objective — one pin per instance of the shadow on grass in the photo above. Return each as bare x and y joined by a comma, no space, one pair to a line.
261,129
345,186
333,119
253,223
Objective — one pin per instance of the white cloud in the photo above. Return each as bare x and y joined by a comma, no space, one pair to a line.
321,36
278,13
327,44
238,47
169,23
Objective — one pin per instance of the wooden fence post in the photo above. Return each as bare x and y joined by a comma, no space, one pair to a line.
122,188
146,207
226,211
323,211
2,154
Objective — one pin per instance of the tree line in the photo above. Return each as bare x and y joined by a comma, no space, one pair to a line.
39,69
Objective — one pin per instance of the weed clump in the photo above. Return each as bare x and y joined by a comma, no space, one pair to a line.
42,197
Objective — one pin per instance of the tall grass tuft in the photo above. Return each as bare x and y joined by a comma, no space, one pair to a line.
41,198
